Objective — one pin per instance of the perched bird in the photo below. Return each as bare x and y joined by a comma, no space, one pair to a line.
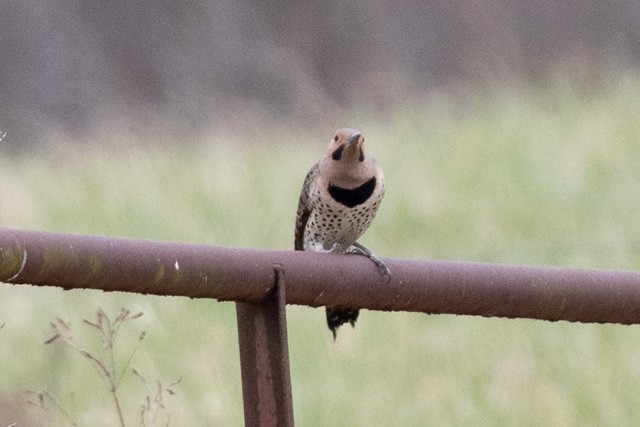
339,199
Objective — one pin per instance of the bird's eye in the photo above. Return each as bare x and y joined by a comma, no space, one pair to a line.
335,138
362,139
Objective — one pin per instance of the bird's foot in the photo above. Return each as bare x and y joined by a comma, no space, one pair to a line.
338,248
357,248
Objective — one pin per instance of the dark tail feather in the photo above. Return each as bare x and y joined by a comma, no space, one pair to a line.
338,316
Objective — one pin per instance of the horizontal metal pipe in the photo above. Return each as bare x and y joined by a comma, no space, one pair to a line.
200,271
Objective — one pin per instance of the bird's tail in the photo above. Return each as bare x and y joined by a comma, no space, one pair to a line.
338,316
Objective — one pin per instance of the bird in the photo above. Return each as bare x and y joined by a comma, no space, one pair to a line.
340,197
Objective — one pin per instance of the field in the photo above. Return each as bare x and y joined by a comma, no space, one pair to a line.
548,176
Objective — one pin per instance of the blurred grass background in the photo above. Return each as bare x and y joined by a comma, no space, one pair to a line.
538,176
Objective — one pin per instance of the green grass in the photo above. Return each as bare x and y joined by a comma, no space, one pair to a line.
534,177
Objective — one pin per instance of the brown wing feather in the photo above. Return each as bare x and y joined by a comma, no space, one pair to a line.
304,209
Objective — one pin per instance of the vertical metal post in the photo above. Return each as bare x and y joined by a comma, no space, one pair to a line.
264,359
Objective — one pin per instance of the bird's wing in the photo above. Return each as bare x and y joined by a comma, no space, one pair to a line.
304,208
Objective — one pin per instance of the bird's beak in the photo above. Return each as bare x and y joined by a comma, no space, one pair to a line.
352,147
354,138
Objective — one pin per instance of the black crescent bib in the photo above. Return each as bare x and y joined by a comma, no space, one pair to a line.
354,196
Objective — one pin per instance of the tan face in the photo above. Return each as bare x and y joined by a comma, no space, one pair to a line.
346,144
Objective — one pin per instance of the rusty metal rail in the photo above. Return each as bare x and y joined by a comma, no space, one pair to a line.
264,359
255,279
200,271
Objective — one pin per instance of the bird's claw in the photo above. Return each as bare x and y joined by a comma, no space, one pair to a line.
384,270
337,248
382,267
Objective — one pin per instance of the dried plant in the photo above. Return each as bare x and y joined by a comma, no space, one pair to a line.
154,400
40,399
104,363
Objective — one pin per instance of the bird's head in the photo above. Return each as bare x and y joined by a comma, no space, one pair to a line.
346,146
